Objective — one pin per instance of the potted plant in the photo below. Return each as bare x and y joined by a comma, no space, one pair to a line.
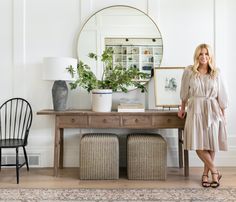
114,78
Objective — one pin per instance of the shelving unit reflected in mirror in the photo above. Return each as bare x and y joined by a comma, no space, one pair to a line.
141,53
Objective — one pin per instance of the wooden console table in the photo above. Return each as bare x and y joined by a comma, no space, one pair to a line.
150,119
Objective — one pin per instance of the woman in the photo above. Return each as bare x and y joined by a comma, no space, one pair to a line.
203,92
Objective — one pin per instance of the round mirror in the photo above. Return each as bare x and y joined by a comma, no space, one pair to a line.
134,37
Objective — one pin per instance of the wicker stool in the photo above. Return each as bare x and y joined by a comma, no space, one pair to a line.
146,157
99,156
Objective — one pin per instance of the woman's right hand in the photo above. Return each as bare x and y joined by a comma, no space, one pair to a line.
181,113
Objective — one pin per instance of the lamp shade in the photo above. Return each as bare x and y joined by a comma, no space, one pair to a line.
54,68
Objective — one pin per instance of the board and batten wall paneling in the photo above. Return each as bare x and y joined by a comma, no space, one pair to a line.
33,29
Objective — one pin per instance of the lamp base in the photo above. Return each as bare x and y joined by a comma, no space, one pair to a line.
59,95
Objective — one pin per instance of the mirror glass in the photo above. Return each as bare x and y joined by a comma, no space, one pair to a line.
134,37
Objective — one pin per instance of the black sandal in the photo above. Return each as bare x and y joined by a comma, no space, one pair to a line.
205,184
215,184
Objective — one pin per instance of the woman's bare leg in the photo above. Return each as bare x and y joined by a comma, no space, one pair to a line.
206,157
206,169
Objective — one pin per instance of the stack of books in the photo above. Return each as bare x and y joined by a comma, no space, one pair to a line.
130,107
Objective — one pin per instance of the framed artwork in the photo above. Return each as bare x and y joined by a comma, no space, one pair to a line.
167,82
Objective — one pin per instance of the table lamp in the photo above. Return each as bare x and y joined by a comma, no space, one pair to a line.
54,69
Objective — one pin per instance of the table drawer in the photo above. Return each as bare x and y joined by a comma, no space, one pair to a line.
137,121
104,121
168,122
72,121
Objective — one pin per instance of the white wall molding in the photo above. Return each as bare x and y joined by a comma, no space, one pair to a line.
6,50
86,10
154,10
139,4
220,37
214,26
19,74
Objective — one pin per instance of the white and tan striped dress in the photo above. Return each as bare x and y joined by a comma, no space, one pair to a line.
205,125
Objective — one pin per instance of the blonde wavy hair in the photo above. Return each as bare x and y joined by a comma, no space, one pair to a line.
212,70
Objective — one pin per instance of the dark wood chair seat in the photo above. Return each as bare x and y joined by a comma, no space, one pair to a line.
11,143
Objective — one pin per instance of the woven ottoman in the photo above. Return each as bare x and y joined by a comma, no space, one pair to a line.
146,157
99,156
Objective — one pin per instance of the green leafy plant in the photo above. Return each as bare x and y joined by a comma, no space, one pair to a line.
115,77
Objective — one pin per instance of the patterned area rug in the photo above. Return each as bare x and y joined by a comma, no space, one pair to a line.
118,195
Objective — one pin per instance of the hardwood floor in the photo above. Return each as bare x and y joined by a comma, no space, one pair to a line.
69,178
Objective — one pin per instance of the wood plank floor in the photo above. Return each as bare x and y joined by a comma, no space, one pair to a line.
69,178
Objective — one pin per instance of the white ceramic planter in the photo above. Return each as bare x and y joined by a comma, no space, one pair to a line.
101,100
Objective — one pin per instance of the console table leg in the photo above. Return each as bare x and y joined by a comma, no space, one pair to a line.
180,145
56,150
186,163
61,148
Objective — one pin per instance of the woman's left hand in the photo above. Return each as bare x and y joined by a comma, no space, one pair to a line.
181,114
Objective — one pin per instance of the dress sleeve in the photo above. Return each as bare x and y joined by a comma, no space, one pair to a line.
184,90
222,95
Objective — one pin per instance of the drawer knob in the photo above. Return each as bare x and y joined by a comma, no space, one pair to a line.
104,120
136,120
72,120
168,120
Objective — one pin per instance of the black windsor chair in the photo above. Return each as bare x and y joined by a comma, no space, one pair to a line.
15,122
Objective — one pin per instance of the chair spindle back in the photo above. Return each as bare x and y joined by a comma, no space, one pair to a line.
15,119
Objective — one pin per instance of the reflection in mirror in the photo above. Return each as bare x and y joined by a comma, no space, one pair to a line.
141,53
134,37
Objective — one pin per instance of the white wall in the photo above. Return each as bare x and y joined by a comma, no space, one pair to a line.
6,49
33,29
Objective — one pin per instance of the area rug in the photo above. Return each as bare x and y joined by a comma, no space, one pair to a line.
119,195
